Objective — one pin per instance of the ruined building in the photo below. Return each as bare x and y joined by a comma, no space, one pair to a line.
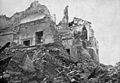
35,26
78,35
29,27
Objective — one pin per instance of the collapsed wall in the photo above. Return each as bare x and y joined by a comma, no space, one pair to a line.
35,12
35,26
78,35
74,47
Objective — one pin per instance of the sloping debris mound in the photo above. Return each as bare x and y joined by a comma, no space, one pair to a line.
50,63
45,63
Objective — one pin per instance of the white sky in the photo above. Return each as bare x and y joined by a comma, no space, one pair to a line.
104,15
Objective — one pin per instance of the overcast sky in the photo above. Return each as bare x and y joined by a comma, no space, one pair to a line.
104,15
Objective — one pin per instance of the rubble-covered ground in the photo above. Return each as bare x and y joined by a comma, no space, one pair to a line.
50,63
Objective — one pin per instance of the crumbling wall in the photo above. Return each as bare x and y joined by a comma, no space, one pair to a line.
28,31
67,53
80,31
34,12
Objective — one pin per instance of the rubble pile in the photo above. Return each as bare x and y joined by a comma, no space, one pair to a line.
41,51
45,63
49,64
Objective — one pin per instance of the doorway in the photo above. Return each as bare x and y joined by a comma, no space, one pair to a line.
68,51
26,42
39,36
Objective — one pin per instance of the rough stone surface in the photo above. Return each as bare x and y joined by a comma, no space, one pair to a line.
67,54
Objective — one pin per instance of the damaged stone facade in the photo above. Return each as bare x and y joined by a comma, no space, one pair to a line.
9,26
34,33
78,35
35,26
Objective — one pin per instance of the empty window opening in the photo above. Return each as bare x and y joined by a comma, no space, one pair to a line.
26,42
84,33
68,51
39,36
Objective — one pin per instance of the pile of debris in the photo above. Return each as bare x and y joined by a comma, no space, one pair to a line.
71,57
45,63
50,63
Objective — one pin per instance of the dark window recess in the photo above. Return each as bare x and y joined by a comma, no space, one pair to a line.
71,23
39,36
84,33
68,51
26,42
